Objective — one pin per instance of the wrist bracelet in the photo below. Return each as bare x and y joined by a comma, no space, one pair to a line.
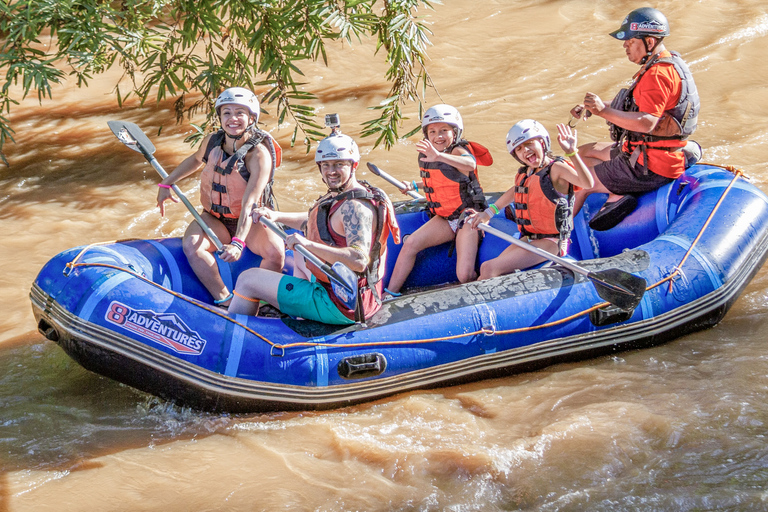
415,187
575,152
237,241
488,212
494,209
163,185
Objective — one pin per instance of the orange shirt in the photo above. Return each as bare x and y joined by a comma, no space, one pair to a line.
659,90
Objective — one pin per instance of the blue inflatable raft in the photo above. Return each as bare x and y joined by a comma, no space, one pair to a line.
134,311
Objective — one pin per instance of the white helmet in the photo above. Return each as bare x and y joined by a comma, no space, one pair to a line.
337,147
524,130
443,114
238,96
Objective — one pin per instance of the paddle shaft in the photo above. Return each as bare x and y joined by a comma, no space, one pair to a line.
532,248
603,282
394,181
147,149
206,229
305,252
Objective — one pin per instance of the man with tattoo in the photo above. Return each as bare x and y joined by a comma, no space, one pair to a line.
350,224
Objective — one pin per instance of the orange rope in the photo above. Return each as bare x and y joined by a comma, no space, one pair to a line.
175,294
72,264
257,301
489,332
677,271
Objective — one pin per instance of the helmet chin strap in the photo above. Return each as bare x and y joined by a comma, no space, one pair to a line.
649,51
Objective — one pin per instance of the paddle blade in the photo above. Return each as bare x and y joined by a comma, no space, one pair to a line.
344,284
620,288
132,136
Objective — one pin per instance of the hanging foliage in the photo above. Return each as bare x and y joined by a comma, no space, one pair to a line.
186,49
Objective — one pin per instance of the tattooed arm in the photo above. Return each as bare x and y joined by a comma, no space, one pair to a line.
357,219
354,219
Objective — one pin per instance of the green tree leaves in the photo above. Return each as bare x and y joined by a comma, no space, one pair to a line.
171,48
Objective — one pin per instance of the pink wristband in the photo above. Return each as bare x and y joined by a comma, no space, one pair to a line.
235,239
163,185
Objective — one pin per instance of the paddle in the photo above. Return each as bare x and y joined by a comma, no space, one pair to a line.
343,280
620,288
132,136
394,181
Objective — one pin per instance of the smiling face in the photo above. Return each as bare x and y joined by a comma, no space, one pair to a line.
440,135
234,119
336,173
531,153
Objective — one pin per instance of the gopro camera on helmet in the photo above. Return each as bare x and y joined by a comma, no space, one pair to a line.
332,120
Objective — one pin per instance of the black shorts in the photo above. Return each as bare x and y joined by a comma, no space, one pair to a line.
621,178
230,224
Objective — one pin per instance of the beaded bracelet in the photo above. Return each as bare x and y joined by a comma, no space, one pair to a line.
163,185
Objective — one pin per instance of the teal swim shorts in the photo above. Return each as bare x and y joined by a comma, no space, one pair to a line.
300,298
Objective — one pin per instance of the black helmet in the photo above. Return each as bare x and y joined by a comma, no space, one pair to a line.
645,21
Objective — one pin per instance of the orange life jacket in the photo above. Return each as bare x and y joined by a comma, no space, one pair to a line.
449,192
369,281
539,210
224,178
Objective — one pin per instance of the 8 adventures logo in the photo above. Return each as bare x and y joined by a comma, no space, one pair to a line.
164,328
648,26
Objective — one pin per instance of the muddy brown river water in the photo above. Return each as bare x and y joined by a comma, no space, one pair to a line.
677,427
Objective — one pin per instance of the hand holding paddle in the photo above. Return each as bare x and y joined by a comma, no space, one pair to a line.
132,136
343,280
620,288
394,181
164,194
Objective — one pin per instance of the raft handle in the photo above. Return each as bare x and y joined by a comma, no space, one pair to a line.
609,315
359,367
48,330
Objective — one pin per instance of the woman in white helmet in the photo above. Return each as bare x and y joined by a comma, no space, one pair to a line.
448,169
240,161
541,202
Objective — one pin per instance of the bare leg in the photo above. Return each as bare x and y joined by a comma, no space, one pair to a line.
268,245
255,284
199,251
592,154
466,253
597,151
435,232
300,267
515,258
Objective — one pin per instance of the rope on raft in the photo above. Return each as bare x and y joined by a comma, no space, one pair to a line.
488,332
